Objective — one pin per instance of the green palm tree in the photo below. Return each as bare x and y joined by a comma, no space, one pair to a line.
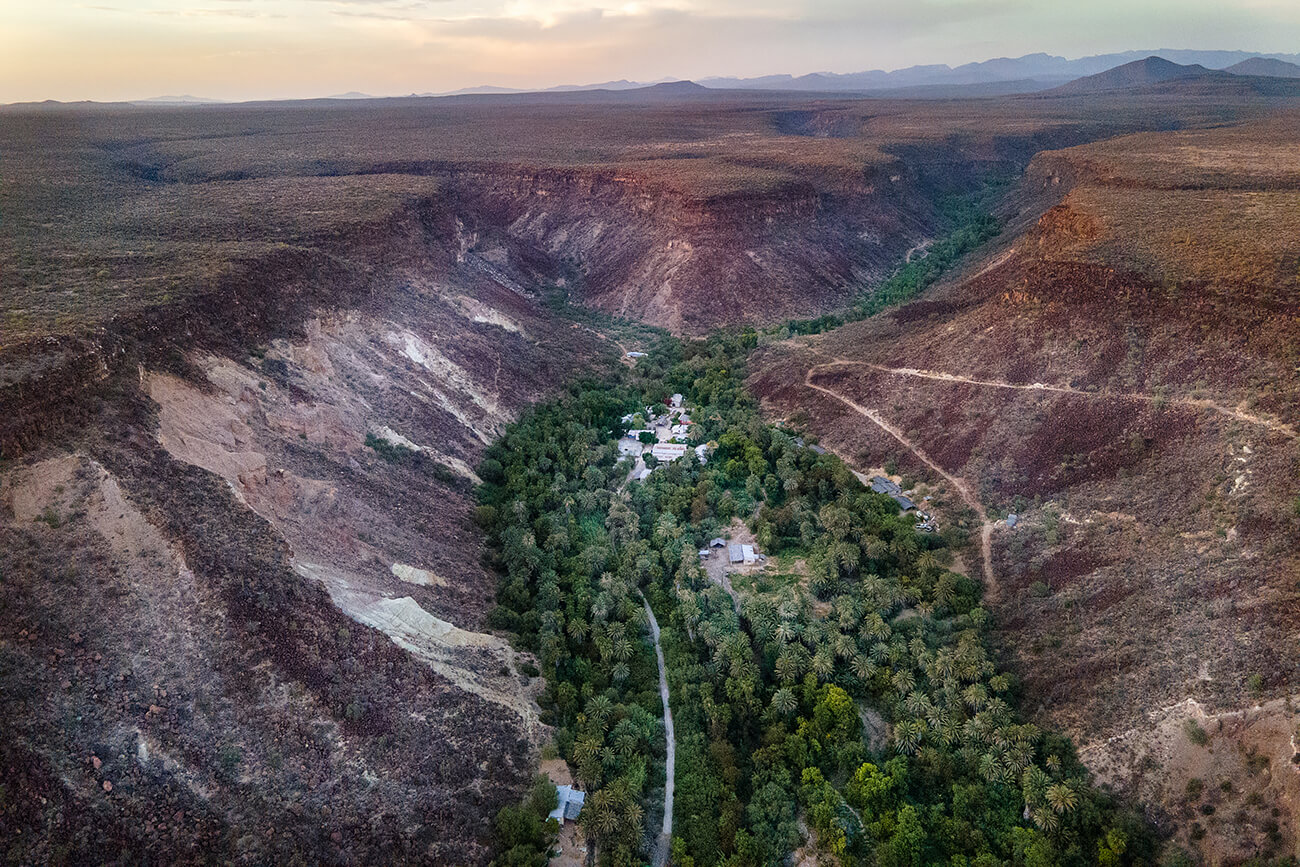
874,627
846,555
601,814
875,548
626,742
1047,821
599,710
950,734
578,629
846,612
586,749
916,703
787,668
907,737
945,590
943,664
1034,783
863,668
788,630
1062,798
784,701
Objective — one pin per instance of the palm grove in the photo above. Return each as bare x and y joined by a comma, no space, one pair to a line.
769,694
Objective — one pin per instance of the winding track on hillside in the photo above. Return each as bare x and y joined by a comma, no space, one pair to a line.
959,484
1198,403
986,528
670,763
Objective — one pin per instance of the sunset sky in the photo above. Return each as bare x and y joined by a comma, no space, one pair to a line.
248,49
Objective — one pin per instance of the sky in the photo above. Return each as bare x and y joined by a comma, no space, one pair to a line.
263,49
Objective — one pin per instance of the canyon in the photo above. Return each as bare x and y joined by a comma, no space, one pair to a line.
1122,377
250,358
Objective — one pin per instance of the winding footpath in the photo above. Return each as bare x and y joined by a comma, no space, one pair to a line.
986,529
963,489
666,835
1198,403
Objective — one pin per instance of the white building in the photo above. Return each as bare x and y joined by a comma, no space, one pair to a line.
677,401
668,452
570,804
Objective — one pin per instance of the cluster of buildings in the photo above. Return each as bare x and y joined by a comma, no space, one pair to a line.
890,488
882,485
667,435
743,555
738,554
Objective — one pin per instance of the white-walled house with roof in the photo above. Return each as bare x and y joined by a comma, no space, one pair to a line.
570,804
668,452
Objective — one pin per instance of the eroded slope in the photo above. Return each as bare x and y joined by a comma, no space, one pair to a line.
243,601
1132,394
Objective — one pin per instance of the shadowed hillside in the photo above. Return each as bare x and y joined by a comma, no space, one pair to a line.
251,355
1123,377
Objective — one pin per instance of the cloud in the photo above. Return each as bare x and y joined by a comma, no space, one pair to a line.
124,47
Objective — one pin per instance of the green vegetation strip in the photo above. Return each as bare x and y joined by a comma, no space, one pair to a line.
969,226
770,704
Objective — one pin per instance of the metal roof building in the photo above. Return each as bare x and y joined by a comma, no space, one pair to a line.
570,803
882,485
903,502
668,451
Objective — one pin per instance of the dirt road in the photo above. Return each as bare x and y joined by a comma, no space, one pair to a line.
1198,403
670,763
986,530
963,489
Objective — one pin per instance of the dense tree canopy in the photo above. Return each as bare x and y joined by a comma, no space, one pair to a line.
769,694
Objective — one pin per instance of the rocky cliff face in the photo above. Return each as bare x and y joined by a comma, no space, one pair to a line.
1121,375
243,600
644,250
249,358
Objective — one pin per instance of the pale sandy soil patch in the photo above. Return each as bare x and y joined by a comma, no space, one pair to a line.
415,575
1248,783
474,661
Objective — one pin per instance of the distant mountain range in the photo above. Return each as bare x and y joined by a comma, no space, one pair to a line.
1045,69
1151,72
1139,73
488,89
1266,66
998,77
181,99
